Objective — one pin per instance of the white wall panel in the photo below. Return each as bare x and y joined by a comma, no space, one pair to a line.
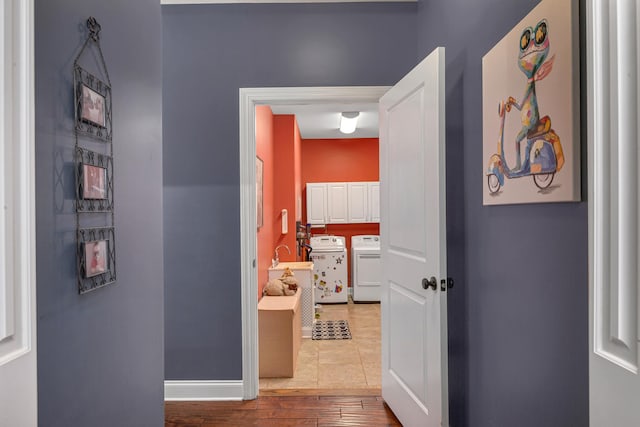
5,298
18,359
16,182
615,183
613,64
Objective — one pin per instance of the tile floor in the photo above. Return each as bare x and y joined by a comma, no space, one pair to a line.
336,364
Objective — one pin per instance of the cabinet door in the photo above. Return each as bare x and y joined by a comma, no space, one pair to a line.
337,203
374,202
358,208
317,203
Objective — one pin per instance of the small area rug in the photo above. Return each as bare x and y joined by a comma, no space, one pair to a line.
331,330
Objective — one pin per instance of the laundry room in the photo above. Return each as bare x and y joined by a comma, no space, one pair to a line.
317,211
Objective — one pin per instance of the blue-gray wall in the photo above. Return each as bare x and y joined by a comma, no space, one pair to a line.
518,312
209,53
518,320
100,355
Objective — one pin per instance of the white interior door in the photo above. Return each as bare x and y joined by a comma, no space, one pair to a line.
413,236
614,225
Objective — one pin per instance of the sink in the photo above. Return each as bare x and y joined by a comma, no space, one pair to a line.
303,265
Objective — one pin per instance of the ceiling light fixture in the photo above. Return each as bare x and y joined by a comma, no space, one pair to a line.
349,121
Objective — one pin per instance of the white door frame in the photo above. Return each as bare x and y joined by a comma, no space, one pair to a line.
249,99
17,183
612,89
18,361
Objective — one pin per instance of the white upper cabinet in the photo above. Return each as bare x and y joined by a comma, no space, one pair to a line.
373,201
358,207
317,203
337,207
343,202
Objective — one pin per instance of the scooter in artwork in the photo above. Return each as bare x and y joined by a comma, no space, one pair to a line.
543,155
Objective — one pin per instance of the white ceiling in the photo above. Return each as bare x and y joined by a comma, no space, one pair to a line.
321,121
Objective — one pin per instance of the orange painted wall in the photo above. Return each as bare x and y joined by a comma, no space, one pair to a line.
337,160
265,150
286,137
297,157
278,144
340,160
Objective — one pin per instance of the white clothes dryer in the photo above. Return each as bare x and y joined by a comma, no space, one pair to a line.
329,257
365,268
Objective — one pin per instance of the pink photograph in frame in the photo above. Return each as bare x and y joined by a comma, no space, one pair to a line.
94,182
96,254
93,107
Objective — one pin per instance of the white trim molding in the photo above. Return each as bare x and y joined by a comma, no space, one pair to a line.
613,181
613,117
249,99
202,390
280,1
17,184
18,346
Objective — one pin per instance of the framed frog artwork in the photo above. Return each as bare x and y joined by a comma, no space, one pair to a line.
530,96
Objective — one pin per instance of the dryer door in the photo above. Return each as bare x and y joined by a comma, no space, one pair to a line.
367,277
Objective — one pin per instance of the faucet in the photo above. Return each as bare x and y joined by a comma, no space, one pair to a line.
276,260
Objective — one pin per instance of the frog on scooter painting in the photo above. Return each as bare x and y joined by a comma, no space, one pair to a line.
537,58
543,151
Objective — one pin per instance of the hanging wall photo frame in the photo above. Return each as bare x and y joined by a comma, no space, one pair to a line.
94,178
96,258
92,105
92,96
94,181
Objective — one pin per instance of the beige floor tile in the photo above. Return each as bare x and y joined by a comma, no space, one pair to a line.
340,358
306,371
339,364
308,345
367,334
338,351
370,356
264,382
284,383
371,342
372,369
307,359
346,375
374,380
331,345
308,353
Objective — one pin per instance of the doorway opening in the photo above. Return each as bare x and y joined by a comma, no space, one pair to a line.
250,98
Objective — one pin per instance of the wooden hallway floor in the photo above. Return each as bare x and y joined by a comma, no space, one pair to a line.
283,410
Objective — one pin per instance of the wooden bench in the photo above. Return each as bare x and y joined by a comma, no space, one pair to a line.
280,335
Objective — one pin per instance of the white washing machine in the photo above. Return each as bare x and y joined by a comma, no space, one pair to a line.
329,257
365,268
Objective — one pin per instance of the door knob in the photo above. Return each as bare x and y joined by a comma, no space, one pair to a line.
430,283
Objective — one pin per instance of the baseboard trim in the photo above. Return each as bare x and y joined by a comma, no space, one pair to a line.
203,390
